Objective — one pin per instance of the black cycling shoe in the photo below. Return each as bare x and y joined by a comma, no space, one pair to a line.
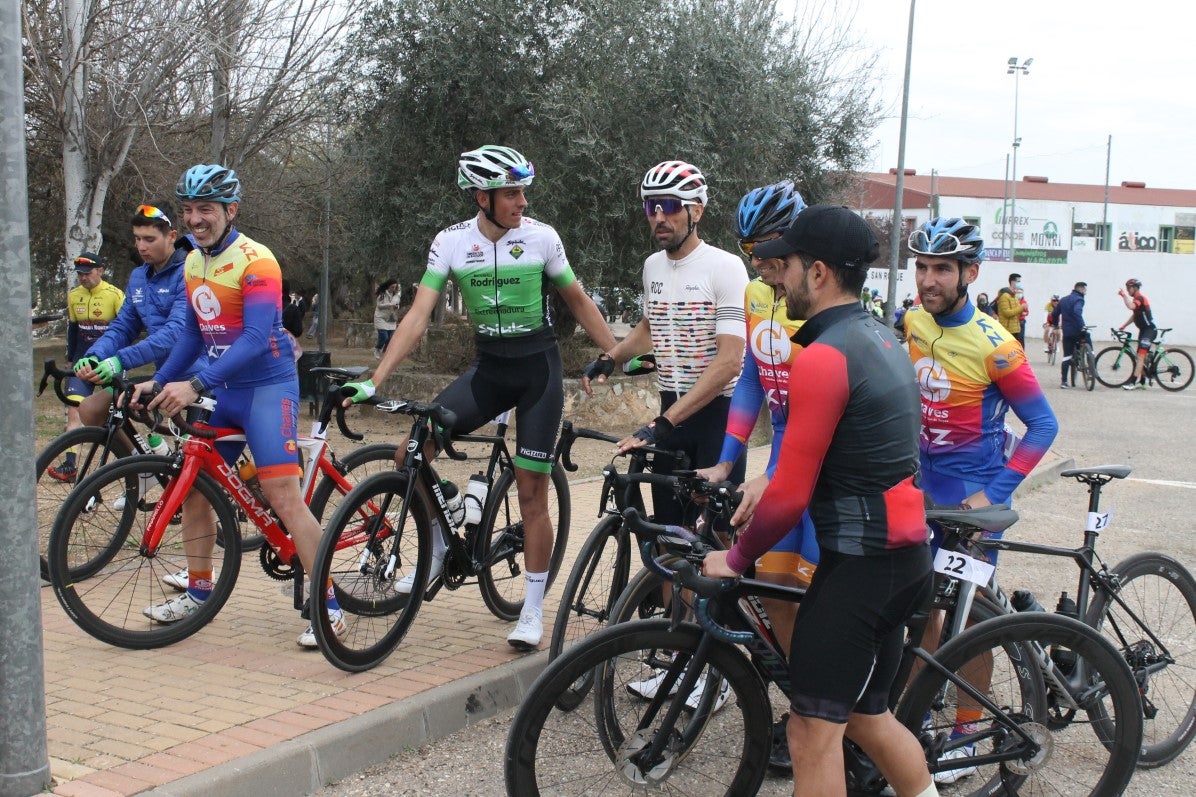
778,759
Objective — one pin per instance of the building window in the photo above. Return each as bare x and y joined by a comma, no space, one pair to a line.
973,220
1104,234
1166,238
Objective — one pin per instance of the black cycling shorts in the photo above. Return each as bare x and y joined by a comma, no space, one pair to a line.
850,630
531,384
700,437
1146,337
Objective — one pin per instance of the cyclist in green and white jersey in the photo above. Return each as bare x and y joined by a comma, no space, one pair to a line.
504,265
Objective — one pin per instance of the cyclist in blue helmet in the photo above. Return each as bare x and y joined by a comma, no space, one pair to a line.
971,371
764,213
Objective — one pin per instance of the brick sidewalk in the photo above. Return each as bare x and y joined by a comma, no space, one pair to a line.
120,721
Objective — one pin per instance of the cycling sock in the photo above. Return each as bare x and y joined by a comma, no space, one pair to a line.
69,459
967,720
330,598
930,791
199,584
535,590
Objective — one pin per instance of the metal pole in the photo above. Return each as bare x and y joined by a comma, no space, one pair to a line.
1013,184
1104,218
899,186
325,297
1005,207
24,761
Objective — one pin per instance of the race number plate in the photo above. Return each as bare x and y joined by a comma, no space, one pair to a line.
962,566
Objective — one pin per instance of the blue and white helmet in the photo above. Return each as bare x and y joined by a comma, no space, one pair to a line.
209,183
769,209
948,237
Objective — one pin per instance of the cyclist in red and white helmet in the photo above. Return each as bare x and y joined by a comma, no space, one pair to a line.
693,322
1143,318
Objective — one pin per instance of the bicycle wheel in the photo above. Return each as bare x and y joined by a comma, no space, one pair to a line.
1162,595
1068,760
1114,366
501,579
1173,369
602,750
355,467
92,450
598,576
1052,353
365,553
1087,366
98,571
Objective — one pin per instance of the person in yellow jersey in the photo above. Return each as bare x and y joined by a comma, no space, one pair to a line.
91,305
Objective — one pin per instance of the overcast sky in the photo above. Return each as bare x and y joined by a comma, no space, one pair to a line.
1100,69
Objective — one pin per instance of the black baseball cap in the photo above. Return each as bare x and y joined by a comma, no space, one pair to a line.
87,261
830,233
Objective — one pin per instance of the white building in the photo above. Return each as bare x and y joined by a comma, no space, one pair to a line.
1060,233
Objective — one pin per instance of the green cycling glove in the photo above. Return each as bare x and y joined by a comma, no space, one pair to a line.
107,369
86,362
359,391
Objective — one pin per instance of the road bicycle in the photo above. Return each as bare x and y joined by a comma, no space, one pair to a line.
1171,369
1054,337
1083,361
616,742
377,546
1145,606
603,562
93,446
122,531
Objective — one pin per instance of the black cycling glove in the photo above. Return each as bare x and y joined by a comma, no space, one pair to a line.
603,366
655,433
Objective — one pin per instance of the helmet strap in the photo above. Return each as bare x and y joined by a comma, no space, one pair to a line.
689,219
228,227
489,212
961,294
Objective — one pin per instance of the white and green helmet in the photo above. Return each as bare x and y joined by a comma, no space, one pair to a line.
492,166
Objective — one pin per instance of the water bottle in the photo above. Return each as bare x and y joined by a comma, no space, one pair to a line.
157,445
1065,659
248,473
1024,601
454,502
475,498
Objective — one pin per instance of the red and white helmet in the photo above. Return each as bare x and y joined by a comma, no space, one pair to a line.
674,178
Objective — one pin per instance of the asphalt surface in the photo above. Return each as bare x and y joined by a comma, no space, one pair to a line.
1152,510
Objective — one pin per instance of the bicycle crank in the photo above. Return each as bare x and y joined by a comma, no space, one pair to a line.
273,566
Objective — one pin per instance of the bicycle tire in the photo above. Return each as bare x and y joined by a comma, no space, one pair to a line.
598,575
1173,369
1162,593
356,466
1069,759
1087,366
101,577
719,753
354,553
1052,354
94,451
500,579
1114,366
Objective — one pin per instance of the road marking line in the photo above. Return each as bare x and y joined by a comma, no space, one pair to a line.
1165,483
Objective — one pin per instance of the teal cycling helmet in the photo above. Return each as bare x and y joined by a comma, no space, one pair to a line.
209,183
767,210
948,237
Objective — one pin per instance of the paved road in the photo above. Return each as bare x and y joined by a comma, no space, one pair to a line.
1153,510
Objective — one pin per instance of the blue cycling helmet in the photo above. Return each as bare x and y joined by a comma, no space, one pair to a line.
209,183
948,237
769,209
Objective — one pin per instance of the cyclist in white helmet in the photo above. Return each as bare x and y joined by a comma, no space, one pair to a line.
503,263
693,322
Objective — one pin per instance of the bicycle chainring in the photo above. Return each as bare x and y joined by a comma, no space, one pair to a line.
273,566
454,574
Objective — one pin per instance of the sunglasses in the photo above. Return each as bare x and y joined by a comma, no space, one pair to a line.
151,212
667,205
522,172
85,264
942,244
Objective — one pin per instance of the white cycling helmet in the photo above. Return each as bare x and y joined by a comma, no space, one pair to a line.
491,166
674,178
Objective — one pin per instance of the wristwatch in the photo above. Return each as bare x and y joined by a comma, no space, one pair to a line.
197,386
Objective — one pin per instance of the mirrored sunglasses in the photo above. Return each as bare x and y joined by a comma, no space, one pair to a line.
668,205
151,212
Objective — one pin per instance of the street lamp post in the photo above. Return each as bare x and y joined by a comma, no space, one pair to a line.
1017,70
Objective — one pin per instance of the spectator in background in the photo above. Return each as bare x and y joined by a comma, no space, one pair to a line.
386,314
1048,326
315,315
292,317
1009,309
985,306
1069,315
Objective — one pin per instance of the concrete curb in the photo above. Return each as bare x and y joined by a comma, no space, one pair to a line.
310,762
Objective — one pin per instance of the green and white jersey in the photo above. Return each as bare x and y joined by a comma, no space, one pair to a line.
504,284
